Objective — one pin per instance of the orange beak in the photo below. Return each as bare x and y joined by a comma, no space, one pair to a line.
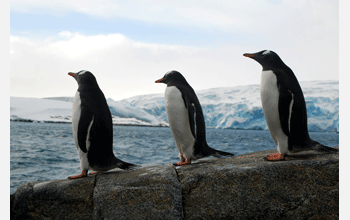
159,80
249,55
71,74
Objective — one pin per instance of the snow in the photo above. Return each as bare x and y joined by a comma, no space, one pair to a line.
59,109
232,107
40,109
136,116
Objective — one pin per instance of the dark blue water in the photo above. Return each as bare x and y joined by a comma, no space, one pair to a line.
41,151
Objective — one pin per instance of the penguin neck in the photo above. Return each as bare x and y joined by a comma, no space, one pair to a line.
181,86
180,82
274,65
88,87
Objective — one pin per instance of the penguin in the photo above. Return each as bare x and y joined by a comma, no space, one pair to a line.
284,107
92,127
186,120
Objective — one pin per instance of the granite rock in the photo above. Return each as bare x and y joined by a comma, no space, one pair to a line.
60,199
304,186
147,193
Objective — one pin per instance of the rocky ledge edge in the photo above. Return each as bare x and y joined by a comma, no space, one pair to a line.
304,186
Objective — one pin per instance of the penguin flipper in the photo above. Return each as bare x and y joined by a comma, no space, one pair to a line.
285,106
191,109
84,122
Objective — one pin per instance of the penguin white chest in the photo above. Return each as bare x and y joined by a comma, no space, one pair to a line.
179,121
269,98
76,112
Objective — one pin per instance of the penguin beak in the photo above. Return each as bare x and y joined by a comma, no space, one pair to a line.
159,80
250,55
71,74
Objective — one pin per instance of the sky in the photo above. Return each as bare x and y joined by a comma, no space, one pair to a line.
128,45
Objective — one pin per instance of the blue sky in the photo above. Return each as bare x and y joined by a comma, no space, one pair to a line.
130,44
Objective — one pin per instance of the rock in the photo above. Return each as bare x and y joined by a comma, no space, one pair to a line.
148,193
60,199
305,186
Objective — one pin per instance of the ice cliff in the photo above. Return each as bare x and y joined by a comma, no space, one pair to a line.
232,107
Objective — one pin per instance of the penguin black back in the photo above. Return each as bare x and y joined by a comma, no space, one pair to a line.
291,102
286,80
94,106
195,115
174,78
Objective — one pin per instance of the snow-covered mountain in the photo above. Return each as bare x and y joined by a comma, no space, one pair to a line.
59,109
240,107
233,107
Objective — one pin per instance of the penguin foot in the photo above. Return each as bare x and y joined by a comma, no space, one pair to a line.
82,175
93,173
182,158
183,163
275,157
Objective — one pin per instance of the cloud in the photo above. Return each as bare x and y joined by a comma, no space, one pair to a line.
76,45
232,16
303,32
125,67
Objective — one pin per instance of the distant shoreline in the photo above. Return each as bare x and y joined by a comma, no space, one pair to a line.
64,122
134,125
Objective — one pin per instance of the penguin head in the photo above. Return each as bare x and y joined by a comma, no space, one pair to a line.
172,78
267,59
84,77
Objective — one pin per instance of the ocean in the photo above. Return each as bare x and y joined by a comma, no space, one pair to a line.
46,151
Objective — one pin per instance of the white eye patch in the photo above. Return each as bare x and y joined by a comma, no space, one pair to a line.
266,52
82,72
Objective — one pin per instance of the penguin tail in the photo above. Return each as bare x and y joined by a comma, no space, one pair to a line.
206,151
127,166
215,153
218,153
321,148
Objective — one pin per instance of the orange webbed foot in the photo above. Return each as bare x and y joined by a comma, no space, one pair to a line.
183,163
82,175
275,157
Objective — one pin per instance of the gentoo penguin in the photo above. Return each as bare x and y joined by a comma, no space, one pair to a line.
186,119
92,127
284,107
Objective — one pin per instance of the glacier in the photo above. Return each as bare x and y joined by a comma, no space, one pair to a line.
236,107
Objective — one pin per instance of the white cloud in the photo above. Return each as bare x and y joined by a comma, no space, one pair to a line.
232,16
77,44
125,68
303,32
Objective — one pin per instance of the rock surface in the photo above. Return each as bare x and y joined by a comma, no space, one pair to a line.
305,186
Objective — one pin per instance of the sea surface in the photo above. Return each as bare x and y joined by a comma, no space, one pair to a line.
45,151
